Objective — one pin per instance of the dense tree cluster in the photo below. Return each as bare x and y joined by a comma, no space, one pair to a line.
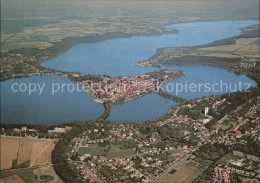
63,168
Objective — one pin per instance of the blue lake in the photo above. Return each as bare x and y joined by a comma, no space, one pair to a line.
117,57
203,81
147,107
50,107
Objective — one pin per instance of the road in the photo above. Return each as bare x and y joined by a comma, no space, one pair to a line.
79,145
89,172
138,171
172,167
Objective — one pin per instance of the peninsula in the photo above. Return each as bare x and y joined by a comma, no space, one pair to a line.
122,89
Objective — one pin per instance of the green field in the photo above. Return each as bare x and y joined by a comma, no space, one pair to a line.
255,42
182,174
113,152
171,51
27,175
94,150
227,158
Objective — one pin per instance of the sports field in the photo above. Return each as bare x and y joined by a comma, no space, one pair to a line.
110,152
183,174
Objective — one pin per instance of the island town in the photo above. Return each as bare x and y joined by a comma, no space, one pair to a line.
102,88
122,89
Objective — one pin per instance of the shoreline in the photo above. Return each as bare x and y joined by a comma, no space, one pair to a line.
120,97
65,74
67,43
188,59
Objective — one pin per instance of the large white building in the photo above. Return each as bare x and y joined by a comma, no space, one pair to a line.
59,130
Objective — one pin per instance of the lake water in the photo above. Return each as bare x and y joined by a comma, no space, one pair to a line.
200,81
149,106
117,57
50,107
